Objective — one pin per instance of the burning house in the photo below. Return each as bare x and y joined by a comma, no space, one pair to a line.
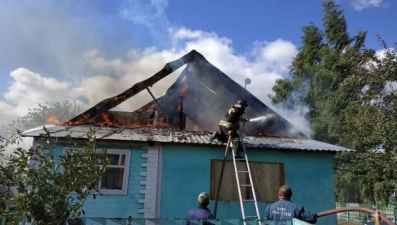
166,158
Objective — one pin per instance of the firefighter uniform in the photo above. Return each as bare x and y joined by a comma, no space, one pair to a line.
230,123
286,210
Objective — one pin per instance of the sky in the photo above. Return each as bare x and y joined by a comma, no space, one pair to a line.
86,50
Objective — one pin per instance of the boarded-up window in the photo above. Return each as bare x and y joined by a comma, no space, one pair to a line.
267,178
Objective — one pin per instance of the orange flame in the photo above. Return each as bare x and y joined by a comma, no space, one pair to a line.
184,88
52,119
196,128
258,133
105,120
84,118
154,124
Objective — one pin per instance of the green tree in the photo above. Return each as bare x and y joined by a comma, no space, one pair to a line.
350,92
52,187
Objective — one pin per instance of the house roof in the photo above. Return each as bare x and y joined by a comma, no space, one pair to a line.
167,135
197,100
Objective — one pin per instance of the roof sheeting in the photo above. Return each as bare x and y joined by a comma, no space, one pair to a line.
165,135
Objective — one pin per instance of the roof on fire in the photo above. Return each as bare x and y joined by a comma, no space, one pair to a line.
166,135
202,91
197,99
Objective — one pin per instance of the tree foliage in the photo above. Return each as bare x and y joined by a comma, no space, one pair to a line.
350,92
48,113
52,187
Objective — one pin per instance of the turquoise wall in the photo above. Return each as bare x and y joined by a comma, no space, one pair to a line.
119,206
186,172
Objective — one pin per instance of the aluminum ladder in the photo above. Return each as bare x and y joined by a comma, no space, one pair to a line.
247,185
240,185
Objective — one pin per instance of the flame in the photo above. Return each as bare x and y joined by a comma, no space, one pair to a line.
83,119
52,119
184,88
160,124
105,120
138,120
258,132
196,128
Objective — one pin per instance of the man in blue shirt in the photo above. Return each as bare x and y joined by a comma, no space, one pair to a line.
284,209
201,212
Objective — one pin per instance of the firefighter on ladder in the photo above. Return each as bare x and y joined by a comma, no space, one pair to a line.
229,125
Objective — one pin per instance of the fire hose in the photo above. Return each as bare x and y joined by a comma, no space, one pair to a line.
362,209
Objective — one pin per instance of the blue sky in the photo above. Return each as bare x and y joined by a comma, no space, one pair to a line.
86,50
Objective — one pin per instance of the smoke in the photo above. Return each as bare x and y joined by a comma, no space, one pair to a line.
64,51
295,112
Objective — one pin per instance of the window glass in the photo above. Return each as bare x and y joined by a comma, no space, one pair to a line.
113,159
112,179
115,178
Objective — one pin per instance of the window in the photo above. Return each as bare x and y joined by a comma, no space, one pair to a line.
267,178
115,178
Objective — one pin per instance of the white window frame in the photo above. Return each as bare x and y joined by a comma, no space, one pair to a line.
126,166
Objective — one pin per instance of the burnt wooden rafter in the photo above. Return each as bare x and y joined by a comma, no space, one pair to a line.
112,102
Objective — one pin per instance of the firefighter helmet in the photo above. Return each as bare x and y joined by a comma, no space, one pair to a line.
243,103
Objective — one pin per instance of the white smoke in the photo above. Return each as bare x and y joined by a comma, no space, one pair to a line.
71,59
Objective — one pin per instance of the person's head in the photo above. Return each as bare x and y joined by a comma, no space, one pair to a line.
242,103
203,199
285,192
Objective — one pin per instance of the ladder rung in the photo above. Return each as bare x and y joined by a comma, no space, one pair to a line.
240,159
247,183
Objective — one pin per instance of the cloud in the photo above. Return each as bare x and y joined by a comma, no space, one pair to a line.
28,89
115,75
149,14
359,5
70,57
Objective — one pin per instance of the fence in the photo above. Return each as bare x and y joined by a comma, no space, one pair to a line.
351,216
362,217
162,221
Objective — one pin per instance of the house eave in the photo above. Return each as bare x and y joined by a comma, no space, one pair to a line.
172,136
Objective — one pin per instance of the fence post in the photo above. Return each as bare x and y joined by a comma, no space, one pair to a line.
348,215
3,220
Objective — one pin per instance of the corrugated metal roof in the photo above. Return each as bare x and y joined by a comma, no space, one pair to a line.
165,135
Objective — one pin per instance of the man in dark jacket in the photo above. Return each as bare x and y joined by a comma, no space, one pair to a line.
229,125
284,209
201,212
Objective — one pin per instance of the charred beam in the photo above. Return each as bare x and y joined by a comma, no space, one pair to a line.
182,115
111,102
153,97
